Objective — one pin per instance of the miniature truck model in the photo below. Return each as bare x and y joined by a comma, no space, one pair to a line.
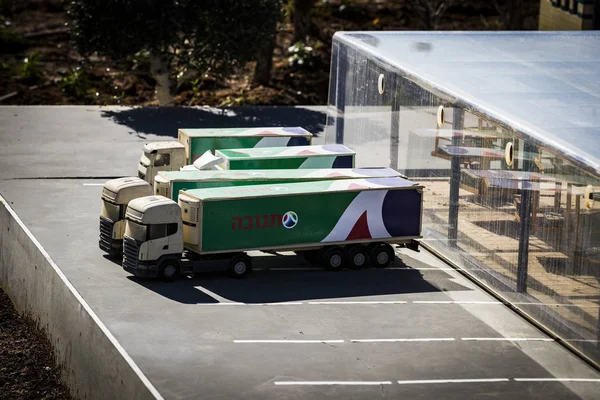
116,194
335,223
192,143
170,183
297,157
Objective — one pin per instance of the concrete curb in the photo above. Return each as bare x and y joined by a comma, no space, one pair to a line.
94,365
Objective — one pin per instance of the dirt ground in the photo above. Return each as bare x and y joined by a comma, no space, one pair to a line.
38,64
27,369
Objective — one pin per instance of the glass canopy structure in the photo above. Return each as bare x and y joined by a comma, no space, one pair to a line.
503,130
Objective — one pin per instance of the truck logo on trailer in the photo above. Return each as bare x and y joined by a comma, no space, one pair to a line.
289,219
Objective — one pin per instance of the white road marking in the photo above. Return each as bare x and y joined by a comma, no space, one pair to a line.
288,341
434,381
288,383
357,302
419,269
93,184
481,339
220,299
403,340
556,380
453,381
454,302
251,304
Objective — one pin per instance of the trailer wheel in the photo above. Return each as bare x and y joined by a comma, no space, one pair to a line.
334,259
240,266
169,270
382,255
358,257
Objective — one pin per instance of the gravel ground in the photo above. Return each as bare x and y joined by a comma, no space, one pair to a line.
27,368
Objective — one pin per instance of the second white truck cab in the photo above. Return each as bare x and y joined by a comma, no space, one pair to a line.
116,194
161,156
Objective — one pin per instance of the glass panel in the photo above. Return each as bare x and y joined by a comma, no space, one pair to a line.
136,231
523,220
146,159
157,231
162,159
110,211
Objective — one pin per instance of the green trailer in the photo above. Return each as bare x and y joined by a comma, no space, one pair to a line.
173,155
199,141
297,157
170,183
336,223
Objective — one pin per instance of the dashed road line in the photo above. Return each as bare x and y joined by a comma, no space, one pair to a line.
225,302
419,269
556,380
518,339
372,383
455,302
402,340
289,341
235,303
395,340
357,302
436,381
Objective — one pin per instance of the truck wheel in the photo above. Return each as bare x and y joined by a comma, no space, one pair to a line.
169,270
334,259
240,266
358,257
382,255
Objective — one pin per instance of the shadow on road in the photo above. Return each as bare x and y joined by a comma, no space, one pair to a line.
165,121
286,278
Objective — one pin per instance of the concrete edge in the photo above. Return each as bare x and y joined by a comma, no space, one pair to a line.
94,365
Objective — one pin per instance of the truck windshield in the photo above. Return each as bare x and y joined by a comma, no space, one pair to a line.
136,231
146,159
162,159
110,210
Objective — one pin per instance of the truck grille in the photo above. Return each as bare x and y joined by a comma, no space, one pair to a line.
106,228
130,253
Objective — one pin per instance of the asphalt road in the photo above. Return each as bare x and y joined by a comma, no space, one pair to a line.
415,330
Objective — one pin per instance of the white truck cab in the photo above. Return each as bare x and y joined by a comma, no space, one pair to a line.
161,156
116,194
153,240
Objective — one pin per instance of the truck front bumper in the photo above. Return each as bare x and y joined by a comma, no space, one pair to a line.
106,242
132,263
143,270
